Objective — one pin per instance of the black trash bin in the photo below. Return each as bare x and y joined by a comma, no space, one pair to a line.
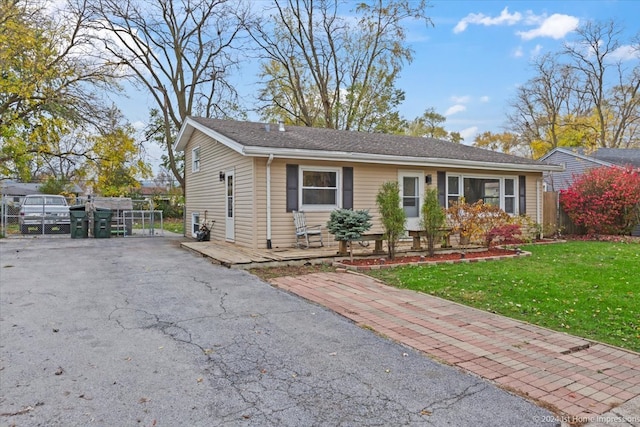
102,223
79,222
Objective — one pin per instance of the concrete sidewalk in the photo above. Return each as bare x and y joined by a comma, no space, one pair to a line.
583,381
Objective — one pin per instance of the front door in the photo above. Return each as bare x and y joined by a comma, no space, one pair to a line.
411,191
229,207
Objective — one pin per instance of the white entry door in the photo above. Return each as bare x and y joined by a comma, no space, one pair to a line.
411,195
230,207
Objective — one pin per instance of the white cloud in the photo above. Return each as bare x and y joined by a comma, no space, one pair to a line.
505,18
518,52
536,51
461,99
469,134
455,109
556,26
625,53
484,99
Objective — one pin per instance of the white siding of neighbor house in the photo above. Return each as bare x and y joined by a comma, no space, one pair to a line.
206,193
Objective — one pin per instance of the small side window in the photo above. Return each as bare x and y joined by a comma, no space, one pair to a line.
195,159
510,196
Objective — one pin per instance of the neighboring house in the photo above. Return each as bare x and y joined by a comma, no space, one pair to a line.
14,192
577,161
248,177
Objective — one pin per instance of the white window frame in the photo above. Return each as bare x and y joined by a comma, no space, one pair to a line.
514,196
454,192
195,159
195,223
320,208
500,178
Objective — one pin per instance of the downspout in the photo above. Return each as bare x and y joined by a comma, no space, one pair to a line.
269,201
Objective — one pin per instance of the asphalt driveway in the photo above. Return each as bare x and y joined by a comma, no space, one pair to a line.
136,331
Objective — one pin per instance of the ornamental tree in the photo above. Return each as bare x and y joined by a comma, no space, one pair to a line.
433,218
604,200
348,225
392,215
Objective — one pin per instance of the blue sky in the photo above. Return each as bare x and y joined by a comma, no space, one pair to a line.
470,63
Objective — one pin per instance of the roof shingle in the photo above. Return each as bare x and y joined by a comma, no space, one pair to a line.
253,134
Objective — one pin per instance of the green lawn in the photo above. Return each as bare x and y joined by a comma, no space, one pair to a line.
175,225
588,289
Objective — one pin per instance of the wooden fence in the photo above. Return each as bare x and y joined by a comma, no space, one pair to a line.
554,218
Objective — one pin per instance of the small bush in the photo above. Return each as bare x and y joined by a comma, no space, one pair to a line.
507,233
347,224
475,221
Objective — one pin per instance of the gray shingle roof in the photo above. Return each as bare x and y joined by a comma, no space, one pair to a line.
252,134
619,156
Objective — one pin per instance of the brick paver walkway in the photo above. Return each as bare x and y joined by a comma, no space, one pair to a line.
578,377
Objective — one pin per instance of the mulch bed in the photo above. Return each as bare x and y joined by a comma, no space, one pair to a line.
491,253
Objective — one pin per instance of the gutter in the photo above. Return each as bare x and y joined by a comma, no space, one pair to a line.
269,201
397,160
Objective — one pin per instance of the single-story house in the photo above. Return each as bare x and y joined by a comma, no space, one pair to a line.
248,177
577,161
14,192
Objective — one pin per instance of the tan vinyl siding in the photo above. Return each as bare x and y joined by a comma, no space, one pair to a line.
367,180
205,191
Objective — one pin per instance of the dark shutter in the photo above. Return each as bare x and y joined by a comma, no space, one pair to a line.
347,188
522,194
292,188
442,188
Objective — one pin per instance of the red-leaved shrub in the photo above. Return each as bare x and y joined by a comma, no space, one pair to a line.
604,200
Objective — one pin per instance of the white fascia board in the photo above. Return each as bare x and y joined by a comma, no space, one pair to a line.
190,125
395,160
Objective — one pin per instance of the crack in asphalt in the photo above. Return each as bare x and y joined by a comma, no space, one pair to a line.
449,402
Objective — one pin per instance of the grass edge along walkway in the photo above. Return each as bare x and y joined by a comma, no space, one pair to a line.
584,288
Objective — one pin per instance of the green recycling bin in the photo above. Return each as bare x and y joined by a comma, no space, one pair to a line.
102,223
79,222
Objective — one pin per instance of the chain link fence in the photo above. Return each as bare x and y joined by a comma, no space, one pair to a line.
128,218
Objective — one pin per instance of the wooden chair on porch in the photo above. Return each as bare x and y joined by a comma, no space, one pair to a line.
306,233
